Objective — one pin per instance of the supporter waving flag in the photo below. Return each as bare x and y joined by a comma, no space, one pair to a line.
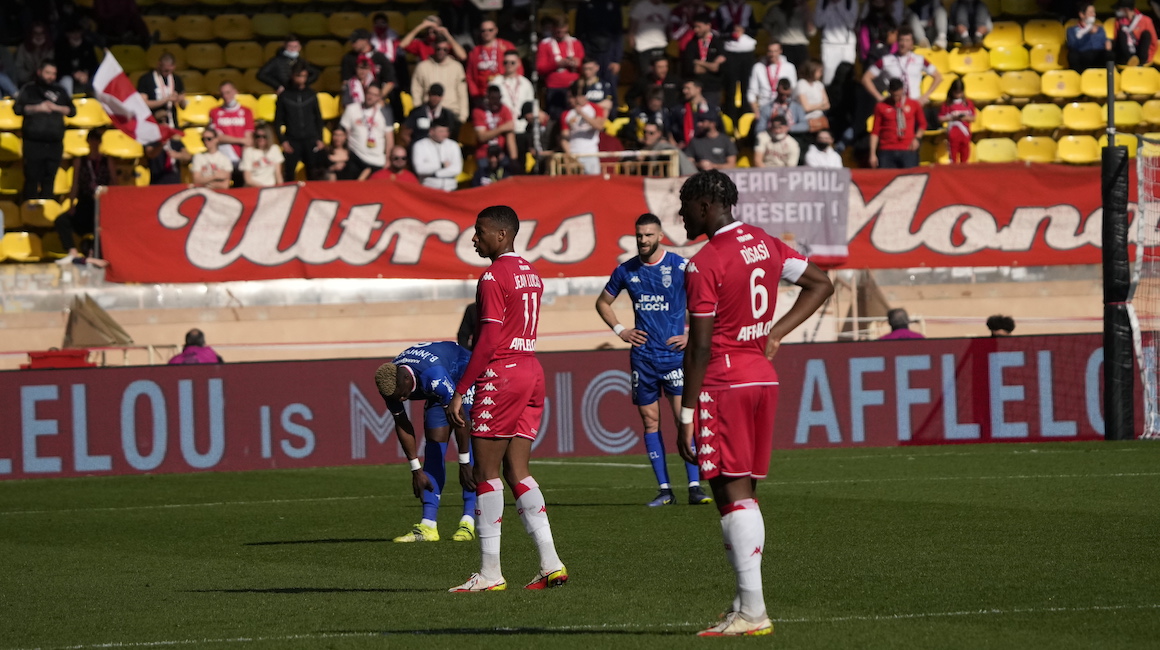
125,106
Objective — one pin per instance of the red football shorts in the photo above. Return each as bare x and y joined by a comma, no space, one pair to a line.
734,431
509,399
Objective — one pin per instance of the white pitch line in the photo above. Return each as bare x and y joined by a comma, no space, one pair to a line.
615,627
590,464
916,479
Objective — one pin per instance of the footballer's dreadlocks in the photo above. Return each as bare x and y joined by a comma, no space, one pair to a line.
712,186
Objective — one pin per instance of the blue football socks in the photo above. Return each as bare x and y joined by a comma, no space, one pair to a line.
654,444
436,469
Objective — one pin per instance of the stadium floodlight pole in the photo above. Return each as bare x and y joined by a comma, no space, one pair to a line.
536,144
1119,377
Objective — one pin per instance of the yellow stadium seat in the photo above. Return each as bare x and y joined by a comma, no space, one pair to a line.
1140,81
311,25
1020,7
11,213
1045,57
215,78
1036,149
11,147
250,83
1150,111
997,150
244,54
273,49
266,106
193,27
177,3
41,213
1061,84
196,112
745,125
270,25
398,21
162,27
76,144
1094,83
727,124
1044,32
1004,34
233,27
1127,140
191,139
1084,116
966,60
21,247
62,184
469,167
130,57
342,23
11,179
613,127
1009,58
940,94
193,81
937,58
1078,150
9,120
153,55
1042,117
1110,28
90,114
204,56
330,81
249,101
135,77
1127,114
118,145
1020,85
407,101
324,52
982,87
1000,118
216,3
257,3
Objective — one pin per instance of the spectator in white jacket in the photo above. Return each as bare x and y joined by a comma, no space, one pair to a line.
838,22
821,153
763,80
437,159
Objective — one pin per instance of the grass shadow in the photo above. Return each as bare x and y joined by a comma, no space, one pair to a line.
356,540
514,631
316,590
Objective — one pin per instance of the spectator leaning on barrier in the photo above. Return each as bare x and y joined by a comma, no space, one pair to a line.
89,172
298,117
211,168
648,25
278,71
396,169
44,105
262,163
821,153
899,322
195,350
775,147
897,133
711,149
162,89
1087,42
369,136
437,159
442,69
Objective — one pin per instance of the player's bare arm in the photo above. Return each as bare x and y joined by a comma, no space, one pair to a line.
816,290
629,335
696,362
463,442
405,431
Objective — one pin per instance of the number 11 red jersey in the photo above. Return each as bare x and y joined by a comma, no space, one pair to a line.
509,293
734,279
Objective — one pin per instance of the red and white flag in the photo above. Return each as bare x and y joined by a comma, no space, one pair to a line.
125,106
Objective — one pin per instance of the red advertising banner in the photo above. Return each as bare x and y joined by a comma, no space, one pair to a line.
965,215
167,419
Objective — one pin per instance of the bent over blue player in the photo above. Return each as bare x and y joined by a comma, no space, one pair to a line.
655,280
429,371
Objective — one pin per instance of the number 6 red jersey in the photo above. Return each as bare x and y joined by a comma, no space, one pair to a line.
734,279
509,293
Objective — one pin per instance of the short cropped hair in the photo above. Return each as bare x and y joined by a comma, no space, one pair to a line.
898,318
386,378
648,219
502,216
195,337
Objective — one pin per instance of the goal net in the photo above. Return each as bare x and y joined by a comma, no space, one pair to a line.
1144,300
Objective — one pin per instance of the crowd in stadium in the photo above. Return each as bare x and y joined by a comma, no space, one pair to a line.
450,102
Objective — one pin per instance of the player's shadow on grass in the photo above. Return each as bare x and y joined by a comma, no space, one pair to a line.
315,590
514,631
355,540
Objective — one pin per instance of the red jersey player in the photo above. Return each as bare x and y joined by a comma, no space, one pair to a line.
509,401
730,392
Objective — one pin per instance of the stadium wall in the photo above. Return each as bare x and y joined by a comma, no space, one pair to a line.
173,419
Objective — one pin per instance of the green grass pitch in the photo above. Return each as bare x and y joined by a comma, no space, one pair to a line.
996,546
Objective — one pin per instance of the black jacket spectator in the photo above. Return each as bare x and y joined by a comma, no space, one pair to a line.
297,110
276,72
70,60
710,82
671,84
43,127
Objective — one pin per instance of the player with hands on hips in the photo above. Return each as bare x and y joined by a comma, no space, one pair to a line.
730,395
655,280
428,371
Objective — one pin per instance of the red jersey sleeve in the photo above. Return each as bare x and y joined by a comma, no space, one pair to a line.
478,118
702,280
793,263
490,296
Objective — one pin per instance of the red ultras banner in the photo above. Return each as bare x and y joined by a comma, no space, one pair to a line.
166,419
968,215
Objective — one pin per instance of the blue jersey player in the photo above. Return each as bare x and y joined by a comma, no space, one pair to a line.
655,280
429,371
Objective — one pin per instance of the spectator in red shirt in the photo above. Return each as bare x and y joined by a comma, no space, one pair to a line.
1135,42
483,63
494,126
396,169
421,40
234,123
558,62
897,134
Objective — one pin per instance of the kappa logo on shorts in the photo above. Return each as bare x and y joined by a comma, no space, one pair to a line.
705,398
489,373
488,386
482,428
705,432
708,466
705,450
487,401
484,415
705,415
